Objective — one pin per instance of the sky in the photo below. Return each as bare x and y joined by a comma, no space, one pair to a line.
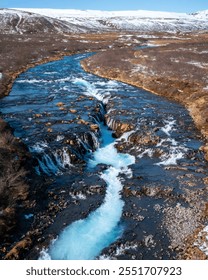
186,6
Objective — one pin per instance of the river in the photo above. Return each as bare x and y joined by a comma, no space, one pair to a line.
52,107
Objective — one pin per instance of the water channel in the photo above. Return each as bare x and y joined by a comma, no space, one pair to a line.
54,102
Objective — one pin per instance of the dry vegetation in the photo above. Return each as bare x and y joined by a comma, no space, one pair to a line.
13,186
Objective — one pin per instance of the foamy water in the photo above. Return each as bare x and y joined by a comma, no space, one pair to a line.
51,162
85,239
90,90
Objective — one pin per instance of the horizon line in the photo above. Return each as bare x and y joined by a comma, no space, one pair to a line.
129,10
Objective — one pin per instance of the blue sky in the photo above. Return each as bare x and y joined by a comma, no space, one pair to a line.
159,5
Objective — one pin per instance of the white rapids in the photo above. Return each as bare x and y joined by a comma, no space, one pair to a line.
85,239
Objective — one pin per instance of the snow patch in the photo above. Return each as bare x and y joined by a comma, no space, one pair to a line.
201,14
202,241
198,64
174,60
139,68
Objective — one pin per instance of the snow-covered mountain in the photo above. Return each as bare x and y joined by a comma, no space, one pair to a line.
23,22
201,15
76,21
70,13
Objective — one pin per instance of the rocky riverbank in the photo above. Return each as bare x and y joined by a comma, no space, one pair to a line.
174,68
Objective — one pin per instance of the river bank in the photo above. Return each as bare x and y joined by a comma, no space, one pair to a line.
21,52
176,69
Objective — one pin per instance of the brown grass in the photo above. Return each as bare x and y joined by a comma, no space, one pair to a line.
13,186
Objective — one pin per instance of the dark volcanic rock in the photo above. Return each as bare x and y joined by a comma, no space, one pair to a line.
79,194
